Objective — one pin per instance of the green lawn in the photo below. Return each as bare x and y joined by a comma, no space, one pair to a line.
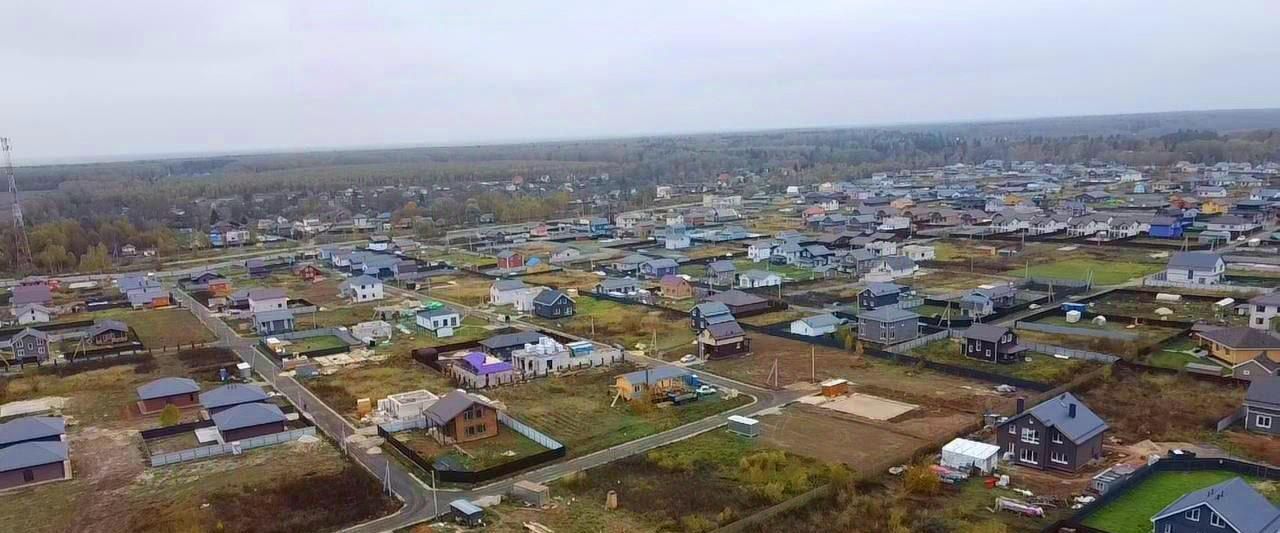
1042,368
794,273
1175,355
1104,272
505,447
1132,511
157,328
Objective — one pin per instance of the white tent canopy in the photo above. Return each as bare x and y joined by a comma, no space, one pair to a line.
962,454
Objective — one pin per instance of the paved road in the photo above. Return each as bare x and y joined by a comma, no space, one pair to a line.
420,503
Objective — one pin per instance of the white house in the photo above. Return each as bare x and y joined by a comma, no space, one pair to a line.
677,239
1262,309
33,313
894,223
919,252
883,248
758,278
816,326
268,299
362,289
891,268
565,254
1198,268
513,292
1231,223
760,250
440,321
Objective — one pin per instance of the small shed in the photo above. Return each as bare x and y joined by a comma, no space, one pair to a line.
747,427
963,454
835,387
1110,477
466,513
535,494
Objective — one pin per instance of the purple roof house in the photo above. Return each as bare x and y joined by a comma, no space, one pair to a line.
478,370
31,294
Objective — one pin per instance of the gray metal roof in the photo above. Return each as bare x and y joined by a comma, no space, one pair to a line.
1055,413
1195,260
440,311
31,427
662,263
29,454
1264,391
724,330
706,309
361,280
735,298
549,297
1235,501
273,315
507,340
1243,337
248,415
1271,298
169,386
986,332
617,283
822,321
888,314
448,407
102,326
655,374
508,284
879,288
235,393
721,266
267,293
758,274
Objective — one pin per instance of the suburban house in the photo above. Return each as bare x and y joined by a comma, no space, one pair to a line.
815,255
888,325
33,450
1199,268
30,294
1165,227
709,313
441,321
630,264
723,339
552,303
508,259
760,250
249,420
676,239
879,294
267,299
1259,367
740,303
502,345
506,291
30,345
618,286
274,322
565,254
1231,506
231,395
149,298
653,383
892,267
461,417
361,288
991,343
657,268
721,272
758,278
308,272
675,287
1234,224
107,333
478,370
1001,296
1262,309
1262,406
787,253
257,268
817,325
157,394
919,252
1059,434
33,314
1240,345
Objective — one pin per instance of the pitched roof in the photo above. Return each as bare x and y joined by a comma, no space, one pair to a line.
508,284
27,294
617,283
1235,501
724,330
706,309
272,315
549,297
1056,413
1242,337
655,374
234,393
889,314
450,406
439,311
1271,298
664,262
1194,260
986,332
735,298
248,415
168,386
822,321
756,274
266,293
1264,391
878,288
101,326
486,365
31,427
29,454
31,332
721,266
362,279
507,340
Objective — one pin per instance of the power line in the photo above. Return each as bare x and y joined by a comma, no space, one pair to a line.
22,247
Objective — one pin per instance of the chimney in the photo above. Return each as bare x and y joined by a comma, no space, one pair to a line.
1071,410
1022,405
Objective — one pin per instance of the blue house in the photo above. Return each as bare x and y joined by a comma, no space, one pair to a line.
1165,227
657,268
1229,507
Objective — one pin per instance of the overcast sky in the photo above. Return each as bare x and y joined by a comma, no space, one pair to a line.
117,78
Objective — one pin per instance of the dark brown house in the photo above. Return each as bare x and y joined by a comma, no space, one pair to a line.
740,303
461,417
107,333
723,339
991,343
154,396
249,420
1059,434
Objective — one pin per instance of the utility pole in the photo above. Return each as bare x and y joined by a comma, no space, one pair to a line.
22,247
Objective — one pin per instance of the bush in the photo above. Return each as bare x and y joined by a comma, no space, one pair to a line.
171,415
696,524
922,481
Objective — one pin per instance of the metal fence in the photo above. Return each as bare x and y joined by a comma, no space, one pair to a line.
1158,280
1078,332
921,341
555,450
205,452
1049,349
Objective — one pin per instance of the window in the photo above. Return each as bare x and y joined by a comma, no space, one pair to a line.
1258,321
1030,436
1261,308
1057,437
1262,421
1168,528
1058,457
1193,515
1216,521
28,476
1013,430
1028,455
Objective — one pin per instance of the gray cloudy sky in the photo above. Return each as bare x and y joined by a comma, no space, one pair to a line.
134,77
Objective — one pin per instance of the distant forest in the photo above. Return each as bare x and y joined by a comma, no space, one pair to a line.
77,207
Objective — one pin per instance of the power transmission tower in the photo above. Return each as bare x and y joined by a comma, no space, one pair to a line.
22,247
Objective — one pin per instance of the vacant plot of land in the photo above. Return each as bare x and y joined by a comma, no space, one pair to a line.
399,373
1144,305
1104,272
944,281
790,272
1161,407
464,289
1132,511
868,406
625,325
565,279
334,317
505,447
322,342
777,317
459,258
1148,335
862,446
324,292
1109,264
576,410
160,327
1041,368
